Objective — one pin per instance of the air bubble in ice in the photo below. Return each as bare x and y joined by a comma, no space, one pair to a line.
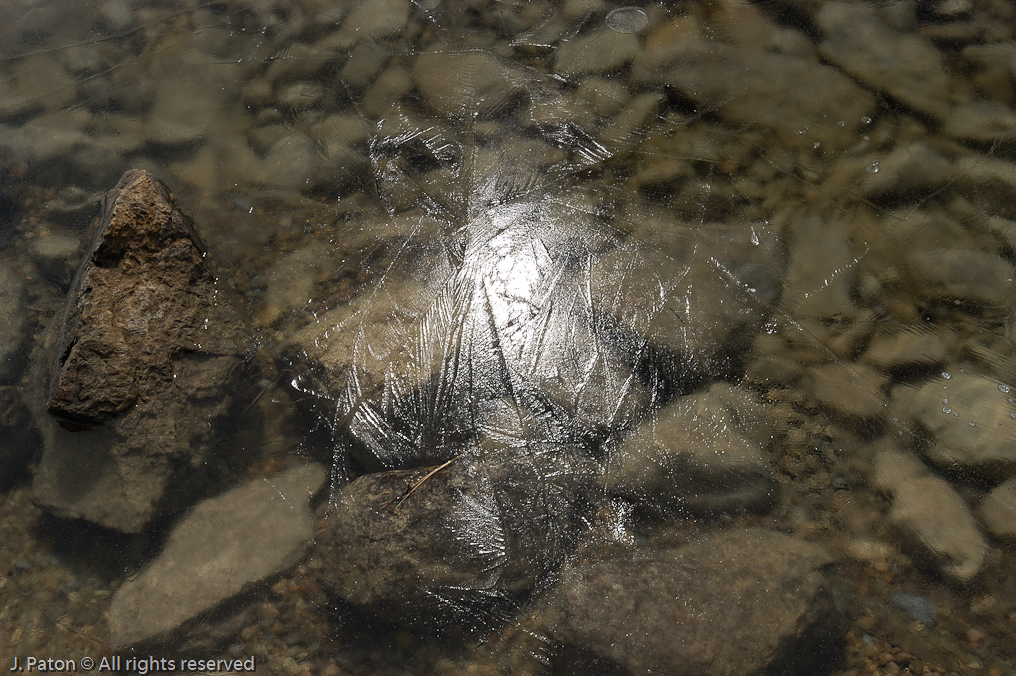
945,401
946,375
1012,415
872,167
946,409
628,19
1005,389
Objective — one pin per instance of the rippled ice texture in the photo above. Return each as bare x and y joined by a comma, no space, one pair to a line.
648,276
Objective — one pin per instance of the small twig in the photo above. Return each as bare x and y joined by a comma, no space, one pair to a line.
420,482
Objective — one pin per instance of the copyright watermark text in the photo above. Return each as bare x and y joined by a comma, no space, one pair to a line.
140,665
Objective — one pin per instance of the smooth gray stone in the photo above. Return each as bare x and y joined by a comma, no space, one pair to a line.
223,547
733,603
905,66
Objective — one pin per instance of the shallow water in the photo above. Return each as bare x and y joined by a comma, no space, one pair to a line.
586,288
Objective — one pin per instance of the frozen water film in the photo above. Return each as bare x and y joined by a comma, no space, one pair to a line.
495,337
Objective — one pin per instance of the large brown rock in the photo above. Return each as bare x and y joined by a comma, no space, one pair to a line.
148,356
434,547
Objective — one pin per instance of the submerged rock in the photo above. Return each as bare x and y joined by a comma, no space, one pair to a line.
14,327
691,455
148,357
997,511
933,522
681,301
455,544
18,436
906,67
971,420
221,549
802,101
735,603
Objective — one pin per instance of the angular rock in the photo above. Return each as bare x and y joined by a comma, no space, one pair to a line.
691,455
971,420
802,101
14,327
224,547
933,522
683,301
454,544
904,66
149,355
997,511
734,603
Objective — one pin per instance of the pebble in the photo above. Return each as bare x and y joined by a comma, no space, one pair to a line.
375,20
997,511
690,455
364,64
968,418
909,172
933,521
980,122
457,84
821,270
300,95
850,391
290,162
601,51
916,348
681,601
794,97
904,66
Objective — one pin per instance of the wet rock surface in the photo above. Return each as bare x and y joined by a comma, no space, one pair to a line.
146,351
734,602
697,322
